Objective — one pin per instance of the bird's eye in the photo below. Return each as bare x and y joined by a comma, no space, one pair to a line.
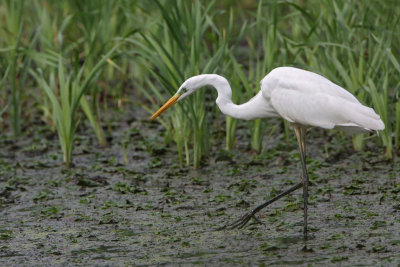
184,90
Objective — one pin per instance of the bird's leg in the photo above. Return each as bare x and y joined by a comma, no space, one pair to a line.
301,136
242,221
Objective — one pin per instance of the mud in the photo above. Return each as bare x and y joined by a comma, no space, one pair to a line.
150,211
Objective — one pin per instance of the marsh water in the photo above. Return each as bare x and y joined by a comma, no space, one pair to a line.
137,206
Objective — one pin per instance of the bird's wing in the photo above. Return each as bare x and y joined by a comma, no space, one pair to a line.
302,81
323,110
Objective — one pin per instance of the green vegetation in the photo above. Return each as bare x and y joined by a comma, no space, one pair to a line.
72,88
75,60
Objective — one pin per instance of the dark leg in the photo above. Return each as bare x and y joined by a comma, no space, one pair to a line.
246,218
301,136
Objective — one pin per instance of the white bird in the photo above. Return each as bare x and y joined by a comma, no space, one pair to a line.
303,98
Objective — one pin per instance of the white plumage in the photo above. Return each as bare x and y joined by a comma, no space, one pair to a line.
310,99
301,97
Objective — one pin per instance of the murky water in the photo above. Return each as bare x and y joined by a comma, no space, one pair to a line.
152,212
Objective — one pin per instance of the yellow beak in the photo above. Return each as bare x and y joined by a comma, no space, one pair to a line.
167,105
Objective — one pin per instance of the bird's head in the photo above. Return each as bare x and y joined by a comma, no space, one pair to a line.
186,89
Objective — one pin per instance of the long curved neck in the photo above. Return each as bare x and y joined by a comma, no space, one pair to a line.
257,107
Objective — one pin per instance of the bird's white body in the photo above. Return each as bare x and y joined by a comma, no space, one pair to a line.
303,98
299,96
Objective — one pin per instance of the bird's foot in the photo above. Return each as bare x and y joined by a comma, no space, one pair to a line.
242,221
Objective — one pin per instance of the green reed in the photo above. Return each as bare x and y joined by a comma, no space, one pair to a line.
15,63
264,43
350,48
178,48
353,43
72,86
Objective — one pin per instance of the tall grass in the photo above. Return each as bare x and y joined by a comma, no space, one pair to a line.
176,50
263,42
15,63
396,85
356,44
352,50
97,29
72,86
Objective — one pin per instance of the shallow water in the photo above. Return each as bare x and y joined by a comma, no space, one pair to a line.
152,212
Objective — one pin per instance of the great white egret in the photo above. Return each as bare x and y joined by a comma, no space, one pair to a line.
303,98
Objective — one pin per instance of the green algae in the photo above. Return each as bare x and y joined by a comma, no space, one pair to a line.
109,211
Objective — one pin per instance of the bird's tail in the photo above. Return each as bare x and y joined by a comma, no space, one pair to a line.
363,117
